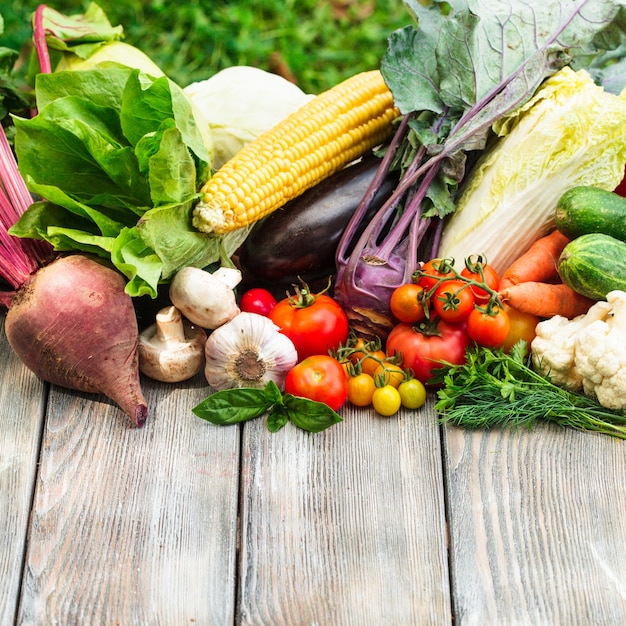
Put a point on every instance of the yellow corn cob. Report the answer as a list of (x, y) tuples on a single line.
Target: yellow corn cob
[(315, 141)]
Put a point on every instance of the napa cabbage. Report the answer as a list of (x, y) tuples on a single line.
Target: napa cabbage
[(571, 132)]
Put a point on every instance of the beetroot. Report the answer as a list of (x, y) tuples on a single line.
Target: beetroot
[(73, 325)]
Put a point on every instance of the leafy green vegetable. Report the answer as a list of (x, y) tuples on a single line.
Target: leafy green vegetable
[(474, 62), (494, 388), (231, 406), (80, 34), (119, 160), (609, 69), (83, 41)]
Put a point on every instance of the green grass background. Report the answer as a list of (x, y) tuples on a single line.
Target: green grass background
[(316, 43)]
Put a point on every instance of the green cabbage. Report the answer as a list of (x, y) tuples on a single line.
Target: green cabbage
[(572, 132), (239, 103)]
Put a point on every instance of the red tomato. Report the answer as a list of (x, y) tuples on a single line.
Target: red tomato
[(421, 352), (320, 378), (488, 330), (437, 268), (314, 328), (453, 300), (491, 280), (257, 300), (621, 188)]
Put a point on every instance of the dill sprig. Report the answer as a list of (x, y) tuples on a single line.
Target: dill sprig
[(493, 388)]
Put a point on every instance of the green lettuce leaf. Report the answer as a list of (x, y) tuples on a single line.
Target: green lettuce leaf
[(119, 159), (78, 146), (87, 85)]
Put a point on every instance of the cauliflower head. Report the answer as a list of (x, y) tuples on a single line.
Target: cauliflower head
[(554, 347), (600, 355)]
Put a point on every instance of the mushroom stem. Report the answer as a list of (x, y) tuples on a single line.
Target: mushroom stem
[(171, 349), (169, 323)]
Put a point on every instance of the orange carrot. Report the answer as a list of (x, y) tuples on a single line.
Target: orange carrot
[(538, 263), (545, 299)]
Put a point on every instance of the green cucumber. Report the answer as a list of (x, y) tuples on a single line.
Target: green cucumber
[(583, 210), (593, 265)]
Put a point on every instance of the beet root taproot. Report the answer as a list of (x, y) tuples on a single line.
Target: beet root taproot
[(74, 326)]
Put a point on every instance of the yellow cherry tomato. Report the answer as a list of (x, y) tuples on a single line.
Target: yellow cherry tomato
[(386, 400), (412, 393)]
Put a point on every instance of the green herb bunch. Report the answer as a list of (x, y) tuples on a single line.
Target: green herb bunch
[(494, 388)]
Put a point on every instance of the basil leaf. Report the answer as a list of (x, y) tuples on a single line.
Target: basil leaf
[(310, 415), (273, 393), (231, 406), (277, 418)]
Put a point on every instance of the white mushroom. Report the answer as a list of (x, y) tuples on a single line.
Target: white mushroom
[(172, 349), (206, 299)]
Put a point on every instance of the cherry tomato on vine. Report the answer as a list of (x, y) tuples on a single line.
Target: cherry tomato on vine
[(437, 268), (346, 364), (405, 303), (386, 400), (389, 374), (368, 357), (412, 393), (361, 389), (257, 300), (320, 378), (491, 280), (487, 329), (422, 349), (315, 323), (453, 300)]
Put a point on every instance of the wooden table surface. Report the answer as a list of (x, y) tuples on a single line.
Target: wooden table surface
[(376, 521)]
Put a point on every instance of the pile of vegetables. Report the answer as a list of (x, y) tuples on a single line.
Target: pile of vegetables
[(477, 254), (113, 155), (492, 82)]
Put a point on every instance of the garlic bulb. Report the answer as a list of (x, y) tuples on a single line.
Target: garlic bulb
[(248, 351)]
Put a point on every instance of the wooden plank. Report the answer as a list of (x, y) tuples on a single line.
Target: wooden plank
[(133, 526), (345, 526), (22, 402), (537, 526)]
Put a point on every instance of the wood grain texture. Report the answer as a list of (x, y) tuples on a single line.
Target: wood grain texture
[(537, 526), (346, 526), (184, 522), (133, 526), (22, 402)]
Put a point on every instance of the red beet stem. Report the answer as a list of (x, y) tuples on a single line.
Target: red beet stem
[(39, 39), (19, 258)]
